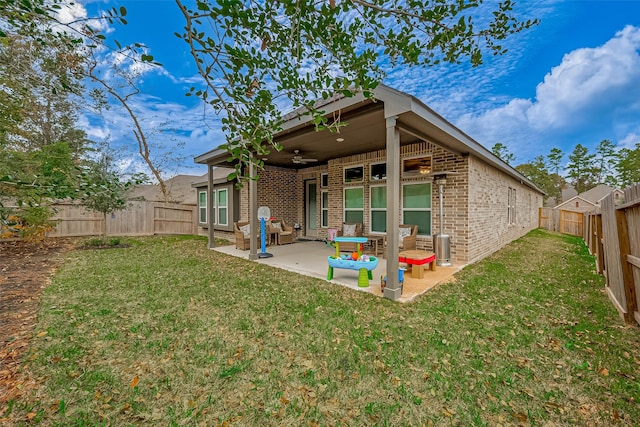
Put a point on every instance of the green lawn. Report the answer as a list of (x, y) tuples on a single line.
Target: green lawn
[(166, 332)]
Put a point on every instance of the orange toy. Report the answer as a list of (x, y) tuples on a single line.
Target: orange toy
[(354, 256)]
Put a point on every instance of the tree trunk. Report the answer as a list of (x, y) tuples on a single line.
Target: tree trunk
[(104, 229)]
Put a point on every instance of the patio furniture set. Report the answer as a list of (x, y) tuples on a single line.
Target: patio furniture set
[(278, 233), (349, 239)]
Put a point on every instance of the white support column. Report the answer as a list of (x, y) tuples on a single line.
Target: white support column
[(392, 289), (253, 210), (212, 243)]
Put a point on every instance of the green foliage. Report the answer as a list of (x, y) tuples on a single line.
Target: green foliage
[(29, 183), (102, 189), (581, 169), (501, 151), (537, 171), (628, 166), (255, 57), (604, 162)]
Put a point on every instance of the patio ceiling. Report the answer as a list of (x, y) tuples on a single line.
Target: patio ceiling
[(365, 132)]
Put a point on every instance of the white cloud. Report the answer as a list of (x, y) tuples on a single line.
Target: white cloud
[(590, 87), (630, 141), (589, 80)]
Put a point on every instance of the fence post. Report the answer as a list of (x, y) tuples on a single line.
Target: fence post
[(627, 270), (599, 244)]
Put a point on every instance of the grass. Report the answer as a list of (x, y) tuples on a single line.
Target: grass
[(166, 332)]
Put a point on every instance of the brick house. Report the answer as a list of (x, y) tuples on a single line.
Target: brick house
[(383, 170)]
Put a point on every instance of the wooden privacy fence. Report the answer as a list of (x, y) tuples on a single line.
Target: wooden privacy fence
[(563, 221), (612, 234), (139, 219)]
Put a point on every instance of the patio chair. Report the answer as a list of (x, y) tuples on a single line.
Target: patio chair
[(407, 236), (242, 234), (283, 232), (350, 229)]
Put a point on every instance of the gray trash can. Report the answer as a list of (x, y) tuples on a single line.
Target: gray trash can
[(442, 245)]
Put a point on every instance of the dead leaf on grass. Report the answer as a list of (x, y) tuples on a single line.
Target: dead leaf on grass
[(134, 382), (604, 372)]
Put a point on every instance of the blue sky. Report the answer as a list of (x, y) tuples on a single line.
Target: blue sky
[(575, 78)]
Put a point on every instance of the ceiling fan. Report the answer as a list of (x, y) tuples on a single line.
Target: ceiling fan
[(299, 160)]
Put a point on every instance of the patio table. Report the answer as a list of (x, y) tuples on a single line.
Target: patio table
[(417, 259)]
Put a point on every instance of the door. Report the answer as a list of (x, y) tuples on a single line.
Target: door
[(311, 208)]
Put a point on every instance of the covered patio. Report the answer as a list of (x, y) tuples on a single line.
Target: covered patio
[(309, 258)]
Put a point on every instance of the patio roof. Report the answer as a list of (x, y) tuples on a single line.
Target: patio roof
[(366, 132)]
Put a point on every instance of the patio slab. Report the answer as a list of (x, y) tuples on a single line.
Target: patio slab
[(309, 258)]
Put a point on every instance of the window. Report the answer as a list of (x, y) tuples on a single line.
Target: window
[(222, 207), (378, 208), (354, 174), (324, 180), (324, 201), (353, 205), (202, 207), (416, 166), (511, 206), (416, 206), (378, 171)]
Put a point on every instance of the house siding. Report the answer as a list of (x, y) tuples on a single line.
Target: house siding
[(489, 228)]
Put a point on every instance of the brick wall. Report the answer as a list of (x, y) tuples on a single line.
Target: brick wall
[(474, 200), (489, 227)]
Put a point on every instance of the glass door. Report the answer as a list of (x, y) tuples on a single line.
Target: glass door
[(311, 208)]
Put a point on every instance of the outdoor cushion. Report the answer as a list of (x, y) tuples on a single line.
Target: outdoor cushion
[(403, 232), (349, 230), (245, 230), (277, 225)]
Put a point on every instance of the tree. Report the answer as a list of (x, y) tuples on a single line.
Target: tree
[(103, 190), (121, 87), (555, 158), (537, 172), (29, 183), (628, 166), (605, 161), (501, 151), (257, 56), (581, 169)]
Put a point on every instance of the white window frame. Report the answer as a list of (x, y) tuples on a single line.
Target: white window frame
[(322, 176), (372, 209), (430, 210), (416, 173), (324, 209), (217, 207), (202, 209), (344, 203), (344, 174), (371, 172), (511, 206)]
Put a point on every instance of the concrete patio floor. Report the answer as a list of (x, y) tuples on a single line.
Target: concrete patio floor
[(310, 259)]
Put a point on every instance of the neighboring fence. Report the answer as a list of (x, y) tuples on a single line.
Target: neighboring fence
[(139, 219), (612, 234), (563, 221)]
